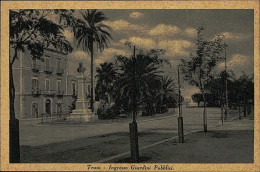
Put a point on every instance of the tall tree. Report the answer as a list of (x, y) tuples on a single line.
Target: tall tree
[(216, 86), (106, 75), (137, 76), (33, 30), (198, 70), (91, 31), (244, 91), (147, 75), (197, 97), (166, 95)]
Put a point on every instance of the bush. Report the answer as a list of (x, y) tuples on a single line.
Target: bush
[(105, 112)]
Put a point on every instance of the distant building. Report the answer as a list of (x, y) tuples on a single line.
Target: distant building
[(44, 87)]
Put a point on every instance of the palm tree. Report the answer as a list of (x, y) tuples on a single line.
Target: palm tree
[(106, 75), (146, 78), (166, 94), (137, 78), (91, 31)]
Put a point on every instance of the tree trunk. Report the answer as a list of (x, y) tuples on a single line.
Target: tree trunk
[(239, 110), (222, 110), (109, 99), (92, 78), (204, 113), (134, 147), (222, 115), (14, 142), (245, 108), (11, 92)]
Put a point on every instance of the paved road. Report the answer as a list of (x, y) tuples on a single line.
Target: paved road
[(193, 120)]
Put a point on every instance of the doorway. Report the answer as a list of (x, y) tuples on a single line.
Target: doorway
[(48, 107), (35, 111)]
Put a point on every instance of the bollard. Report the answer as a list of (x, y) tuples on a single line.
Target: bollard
[(134, 141), (14, 143), (180, 129)]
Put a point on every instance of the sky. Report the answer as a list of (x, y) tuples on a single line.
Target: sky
[(175, 32)]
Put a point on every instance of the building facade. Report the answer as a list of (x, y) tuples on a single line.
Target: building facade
[(44, 88)]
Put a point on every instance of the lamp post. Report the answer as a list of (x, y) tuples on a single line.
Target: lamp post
[(226, 84), (180, 118)]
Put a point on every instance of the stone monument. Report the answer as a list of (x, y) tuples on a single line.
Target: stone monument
[(81, 112)]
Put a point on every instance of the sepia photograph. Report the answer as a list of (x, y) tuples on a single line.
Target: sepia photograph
[(136, 89)]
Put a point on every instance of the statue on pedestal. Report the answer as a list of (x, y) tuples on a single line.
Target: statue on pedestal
[(81, 68), (81, 112)]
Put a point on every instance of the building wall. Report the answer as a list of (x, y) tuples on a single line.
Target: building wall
[(24, 72)]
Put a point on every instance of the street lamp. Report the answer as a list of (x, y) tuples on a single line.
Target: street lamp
[(180, 118), (226, 84)]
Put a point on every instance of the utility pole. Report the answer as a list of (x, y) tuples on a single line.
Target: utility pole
[(226, 84), (180, 118), (133, 126), (134, 88)]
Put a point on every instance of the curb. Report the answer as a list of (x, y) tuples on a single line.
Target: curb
[(112, 123)]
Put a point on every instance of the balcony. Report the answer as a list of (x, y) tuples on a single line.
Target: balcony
[(60, 93), (36, 68), (50, 93), (59, 71), (36, 92), (48, 70)]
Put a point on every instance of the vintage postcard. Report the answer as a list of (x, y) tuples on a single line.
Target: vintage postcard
[(130, 85)]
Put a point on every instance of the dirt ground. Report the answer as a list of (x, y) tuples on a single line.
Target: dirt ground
[(84, 150), (228, 143), (236, 146)]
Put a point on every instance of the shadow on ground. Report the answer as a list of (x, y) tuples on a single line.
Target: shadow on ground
[(236, 146), (89, 149)]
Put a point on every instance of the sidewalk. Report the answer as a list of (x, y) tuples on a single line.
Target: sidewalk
[(231, 143)]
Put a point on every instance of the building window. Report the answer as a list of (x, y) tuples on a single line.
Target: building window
[(35, 67), (35, 83), (73, 88), (34, 62), (58, 64), (48, 107), (59, 85), (47, 63), (35, 110), (47, 84)]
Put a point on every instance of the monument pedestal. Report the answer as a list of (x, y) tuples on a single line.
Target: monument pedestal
[(82, 113)]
